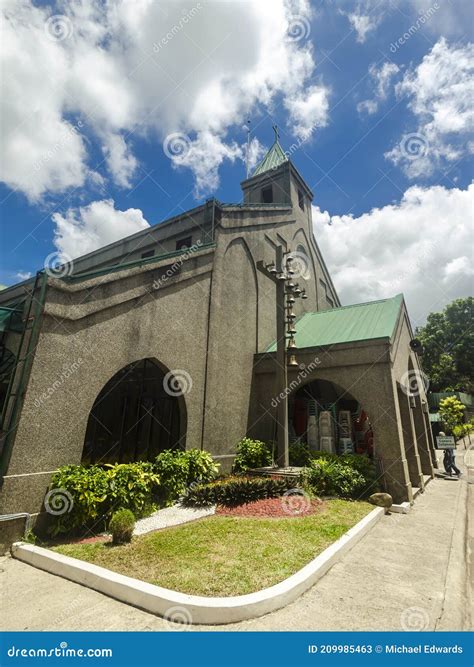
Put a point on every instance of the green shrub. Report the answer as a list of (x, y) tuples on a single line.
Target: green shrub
[(132, 486), (201, 466), (237, 490), (299, 455), (329, 477), (121, 526), (178, 470), (252, 454), (92, 493), (86, 489)]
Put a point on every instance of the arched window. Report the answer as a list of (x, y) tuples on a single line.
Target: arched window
[(137, 415)]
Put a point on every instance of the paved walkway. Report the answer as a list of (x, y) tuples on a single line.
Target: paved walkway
[(171, 516), (410, 571)]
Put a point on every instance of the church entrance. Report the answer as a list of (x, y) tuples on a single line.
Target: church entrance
[(135, 416)]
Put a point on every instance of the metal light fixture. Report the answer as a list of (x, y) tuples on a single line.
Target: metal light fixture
[(292, 344)]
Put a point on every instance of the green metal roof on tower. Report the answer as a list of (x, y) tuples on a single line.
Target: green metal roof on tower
[(274, 158)]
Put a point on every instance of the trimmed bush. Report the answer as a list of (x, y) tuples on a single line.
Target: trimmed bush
[(252, 454), (237, 490), (121, 526), (178, 470)]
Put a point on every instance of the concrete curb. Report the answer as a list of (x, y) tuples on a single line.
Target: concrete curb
[(187, 609)]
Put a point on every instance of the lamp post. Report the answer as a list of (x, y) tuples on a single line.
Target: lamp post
[(281, 273)]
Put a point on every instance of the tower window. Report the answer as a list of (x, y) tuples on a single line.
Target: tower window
[(148, 253), (184, 243), (301, 199), (267, 195)]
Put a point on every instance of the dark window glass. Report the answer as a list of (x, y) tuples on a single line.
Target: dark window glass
[(267, 195), (148, 253), (184, 243), (301, 200)]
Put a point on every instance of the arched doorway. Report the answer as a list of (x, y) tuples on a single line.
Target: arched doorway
[(137, 415), (325, 417)]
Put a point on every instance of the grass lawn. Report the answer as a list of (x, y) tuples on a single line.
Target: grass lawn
[(225, 555)]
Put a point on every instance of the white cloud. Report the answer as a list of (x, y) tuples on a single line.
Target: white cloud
[(364, 19), (119, 159), (417, 247), (88, 228), (146, 69), (440, 93), (23, 275), (308, 111), (381, 78)]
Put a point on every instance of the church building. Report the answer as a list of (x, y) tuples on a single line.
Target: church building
[(166, 339)]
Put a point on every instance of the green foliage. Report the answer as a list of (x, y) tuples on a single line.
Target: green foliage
[(448, 340), (237, 490), (97, 491), (451, 411), (131, 486), (88, 487), (121, 526), (178, 470), (252, 454), (299, 455), (349, 476)]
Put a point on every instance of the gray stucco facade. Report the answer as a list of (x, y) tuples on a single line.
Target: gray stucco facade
[(206, 316)]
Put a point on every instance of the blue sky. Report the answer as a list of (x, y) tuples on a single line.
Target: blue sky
[(375, 94)]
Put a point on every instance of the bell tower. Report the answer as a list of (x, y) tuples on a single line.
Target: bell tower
[(276, 180)]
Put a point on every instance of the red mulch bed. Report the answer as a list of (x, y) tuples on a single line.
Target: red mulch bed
[(292, 506)]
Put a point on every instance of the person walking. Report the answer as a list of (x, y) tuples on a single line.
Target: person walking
[(449, 462)]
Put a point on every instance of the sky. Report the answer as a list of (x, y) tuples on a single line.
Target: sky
[(118, 115)]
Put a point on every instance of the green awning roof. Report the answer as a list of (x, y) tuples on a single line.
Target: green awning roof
[(273, 159), (362, 321)]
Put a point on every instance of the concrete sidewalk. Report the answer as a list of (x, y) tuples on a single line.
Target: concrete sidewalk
[(410, 572)]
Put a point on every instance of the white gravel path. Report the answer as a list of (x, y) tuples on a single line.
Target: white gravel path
[(171, 516)]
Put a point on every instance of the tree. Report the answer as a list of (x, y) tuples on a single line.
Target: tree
[(448, 347), (451, 411)]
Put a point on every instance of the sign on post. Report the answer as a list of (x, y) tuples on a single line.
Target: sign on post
[(445, 442)]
